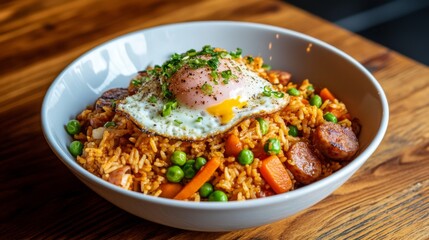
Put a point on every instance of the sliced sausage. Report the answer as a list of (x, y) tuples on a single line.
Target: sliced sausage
[(335, 141), (110, 96), (303, 163)]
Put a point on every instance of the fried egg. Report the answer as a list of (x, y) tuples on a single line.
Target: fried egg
[(205, 102)]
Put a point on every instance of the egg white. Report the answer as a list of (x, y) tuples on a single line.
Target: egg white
[(191, 124)]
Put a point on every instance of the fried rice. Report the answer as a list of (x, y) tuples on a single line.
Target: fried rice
[(141, 159)]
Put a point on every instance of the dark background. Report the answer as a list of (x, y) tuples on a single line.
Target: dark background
[(401, 25)]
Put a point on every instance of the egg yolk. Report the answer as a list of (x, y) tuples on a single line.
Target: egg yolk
[(224, 110)]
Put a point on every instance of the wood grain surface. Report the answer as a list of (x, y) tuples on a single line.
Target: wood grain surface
[(388, 198)]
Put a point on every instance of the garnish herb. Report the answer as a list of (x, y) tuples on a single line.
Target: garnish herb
[(168, 107), (227, 75), (177, 122), (250, 59), (113, 103), (165, 91), (278, 94), (213, 63), (266, 67), (207, 89), (214, 76), (236, 53), (190, 58), (268, 92), (196, 63), (109, 124), (152, 99), (207, 49), (136, 82), (199, 119)]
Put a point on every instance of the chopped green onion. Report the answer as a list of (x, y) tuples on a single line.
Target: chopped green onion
[(191, 52), (165, 91), (136, 82), (267, 91), (224, 55), (109, 124), (113, 103), (266, 67), (207, 89), (197, 63), (226, 74), (207, 49), (177, 122), (213, 63), (175, 56), (214, 76), (278, 94), (199, 119), (236, 53), (168, 107), (152, 99)]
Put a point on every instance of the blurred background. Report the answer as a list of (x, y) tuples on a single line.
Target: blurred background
[(402, 25)]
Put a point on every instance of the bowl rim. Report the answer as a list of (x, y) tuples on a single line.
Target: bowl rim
[(250, 203)]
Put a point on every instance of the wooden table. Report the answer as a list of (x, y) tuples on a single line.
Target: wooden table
[(388, 198)]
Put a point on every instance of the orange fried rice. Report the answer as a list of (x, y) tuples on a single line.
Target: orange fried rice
[(143, 158)]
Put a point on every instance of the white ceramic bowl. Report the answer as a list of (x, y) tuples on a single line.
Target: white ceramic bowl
[(112, 64)]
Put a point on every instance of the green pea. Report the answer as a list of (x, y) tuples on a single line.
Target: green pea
[(245, 157), (293, 92), (218, 196), (272, 146), (178, 158), (199, 163), (263, 125), (189, 169), (206, 189), (330, 117), (175, 174), (293, 131), (316, 100), (73, 127), (76, 148)]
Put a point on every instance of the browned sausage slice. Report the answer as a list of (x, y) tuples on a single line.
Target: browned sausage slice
[(335, 141), (110, 96), (303, 163)]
